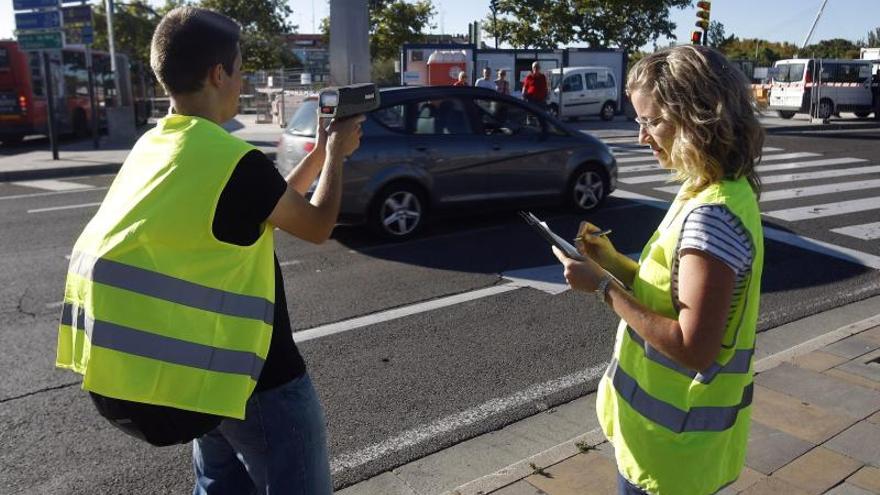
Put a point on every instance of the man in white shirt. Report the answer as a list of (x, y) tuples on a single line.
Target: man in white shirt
[(486, 81)]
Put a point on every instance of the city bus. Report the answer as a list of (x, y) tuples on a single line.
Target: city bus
[(843, 86), (23, 96)]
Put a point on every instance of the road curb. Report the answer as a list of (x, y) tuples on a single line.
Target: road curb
[(59, 172)]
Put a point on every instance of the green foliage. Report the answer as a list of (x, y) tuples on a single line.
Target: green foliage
[(833, 48), (393, 23), (624, 24), (383, 72), (264, 23), (762, 51), (716, 35), (133, 26), (873, 39)]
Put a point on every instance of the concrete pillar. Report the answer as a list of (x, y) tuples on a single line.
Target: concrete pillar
[(349, 42)]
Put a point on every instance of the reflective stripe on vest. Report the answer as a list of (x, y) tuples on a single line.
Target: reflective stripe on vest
[(740, 362), (171, 289), (695, 419), (167, 349)]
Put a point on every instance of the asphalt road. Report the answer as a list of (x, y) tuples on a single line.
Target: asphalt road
[(397, 389)]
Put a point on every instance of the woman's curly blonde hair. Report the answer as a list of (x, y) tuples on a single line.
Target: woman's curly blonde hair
[(709, 103)]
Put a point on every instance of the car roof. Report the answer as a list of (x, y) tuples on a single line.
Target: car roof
[(400, 93), (566, 70)]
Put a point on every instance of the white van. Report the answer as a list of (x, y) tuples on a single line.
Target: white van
[(844, 86), (583, 91)]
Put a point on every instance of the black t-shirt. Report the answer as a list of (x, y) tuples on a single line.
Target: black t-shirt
[(249, 197)]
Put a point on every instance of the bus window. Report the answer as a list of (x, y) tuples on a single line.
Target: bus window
[(4, 58), (829, 72), (36, 65), (76, 76)]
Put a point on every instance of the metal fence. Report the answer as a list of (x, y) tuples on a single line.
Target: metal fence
[(272, 95)]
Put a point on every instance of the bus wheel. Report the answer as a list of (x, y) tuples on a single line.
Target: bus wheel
[(783, 114), (826, 108), (80, 123)]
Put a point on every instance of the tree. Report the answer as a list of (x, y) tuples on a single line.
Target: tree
[(393, 23), (833, 48), (873, 38), (264, 24), (133, 26), (716, 35), (763, 52), (623, 24)]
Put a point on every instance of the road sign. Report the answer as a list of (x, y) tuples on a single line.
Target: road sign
[(77, 14), (40, 41), (78, 34), (33, 4), (37, 20)]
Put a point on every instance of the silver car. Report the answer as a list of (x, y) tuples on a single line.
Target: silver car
[(433, 150)]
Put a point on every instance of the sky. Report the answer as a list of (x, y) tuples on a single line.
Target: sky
[(773, 20)]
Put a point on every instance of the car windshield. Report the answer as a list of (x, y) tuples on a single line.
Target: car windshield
[(789, 73), (304, 120), (554, 80)]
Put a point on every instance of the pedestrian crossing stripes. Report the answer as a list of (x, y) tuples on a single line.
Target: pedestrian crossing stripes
[(868, 231), (825, 210), (788, 171), (770, 179)]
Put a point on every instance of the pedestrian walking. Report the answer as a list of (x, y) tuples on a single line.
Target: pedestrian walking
[(535, 86), (486, 81), (502, 84), (675, 400), (174, 306)]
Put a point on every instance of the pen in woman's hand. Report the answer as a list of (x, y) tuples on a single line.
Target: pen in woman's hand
[(583, 237)]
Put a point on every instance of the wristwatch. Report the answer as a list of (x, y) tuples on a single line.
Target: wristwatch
[(602, 288)]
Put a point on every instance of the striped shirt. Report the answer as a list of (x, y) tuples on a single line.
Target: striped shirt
[(714, 230)]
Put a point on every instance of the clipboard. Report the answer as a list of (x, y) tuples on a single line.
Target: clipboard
[(555, 240), (551, 237)]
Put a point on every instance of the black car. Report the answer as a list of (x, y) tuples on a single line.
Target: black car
[(435, 149)]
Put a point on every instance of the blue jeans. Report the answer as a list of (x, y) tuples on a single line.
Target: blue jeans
[(624, 487), (280, 446)]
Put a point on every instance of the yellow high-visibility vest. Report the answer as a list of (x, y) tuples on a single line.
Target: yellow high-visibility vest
[(674, 430), (156, 309)]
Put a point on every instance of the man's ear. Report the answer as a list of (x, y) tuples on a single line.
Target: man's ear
[(216, 75)]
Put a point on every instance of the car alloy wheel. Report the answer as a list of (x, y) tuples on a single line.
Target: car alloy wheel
[(400, 213), (607, 111), (588, 190)]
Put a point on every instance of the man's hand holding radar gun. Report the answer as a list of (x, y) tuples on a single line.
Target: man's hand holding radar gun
[(340, 114)]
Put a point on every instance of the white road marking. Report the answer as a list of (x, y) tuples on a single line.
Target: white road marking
[(53, 185), (766, 179), (825, 210), (289, 263), (806, 243), (867, 231), (803, 192), (395, 313), (547, 279), (69, 207), (631, 169), (425, 432), (54, 193), (788, 156)]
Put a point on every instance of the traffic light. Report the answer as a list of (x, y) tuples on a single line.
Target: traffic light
[(703, 12), (697, 38)]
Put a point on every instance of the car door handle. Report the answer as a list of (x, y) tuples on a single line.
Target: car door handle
[(420, 148), (496, 147)]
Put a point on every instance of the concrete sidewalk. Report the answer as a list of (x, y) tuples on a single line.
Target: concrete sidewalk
[(80, 158), (815, 427)]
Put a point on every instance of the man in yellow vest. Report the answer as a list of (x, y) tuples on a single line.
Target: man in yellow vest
[(174, 308)]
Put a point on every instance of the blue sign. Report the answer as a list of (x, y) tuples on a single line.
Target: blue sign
[(33, 4), (38, 20), (78, 14)]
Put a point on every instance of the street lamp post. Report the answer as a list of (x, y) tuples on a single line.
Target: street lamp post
[(110, 41), (493, 6)]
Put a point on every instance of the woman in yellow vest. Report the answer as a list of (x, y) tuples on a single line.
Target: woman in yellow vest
[(675, 401)]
